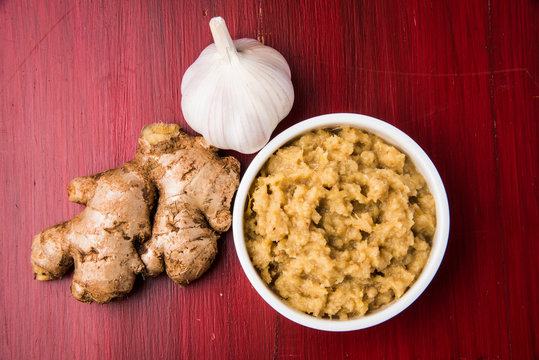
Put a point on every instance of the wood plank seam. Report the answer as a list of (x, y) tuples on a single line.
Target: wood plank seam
[(497, 168)]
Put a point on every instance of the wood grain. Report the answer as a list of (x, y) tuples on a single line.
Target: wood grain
[(515, 103), (78, 80)]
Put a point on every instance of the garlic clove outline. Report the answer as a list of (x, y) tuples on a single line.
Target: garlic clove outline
[(236, 92)]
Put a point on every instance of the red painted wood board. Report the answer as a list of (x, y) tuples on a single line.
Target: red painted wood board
[(78, 80)]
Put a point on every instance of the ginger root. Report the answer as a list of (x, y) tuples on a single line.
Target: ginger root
[(101, 240), (195, 188), (195, 191)]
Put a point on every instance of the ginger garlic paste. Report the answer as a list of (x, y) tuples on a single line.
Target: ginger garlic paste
[(339, 223)]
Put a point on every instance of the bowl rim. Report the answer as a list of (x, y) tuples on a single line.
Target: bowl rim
[(423, 164)]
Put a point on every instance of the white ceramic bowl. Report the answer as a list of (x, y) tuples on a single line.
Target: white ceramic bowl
[(423, 164)]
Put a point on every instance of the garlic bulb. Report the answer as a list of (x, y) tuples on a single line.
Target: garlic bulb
[(236, 92)]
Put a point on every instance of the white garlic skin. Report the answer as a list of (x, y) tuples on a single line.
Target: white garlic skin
[(236, 102)]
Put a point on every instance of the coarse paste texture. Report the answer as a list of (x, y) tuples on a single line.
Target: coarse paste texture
[(339, 223), (113, 239)]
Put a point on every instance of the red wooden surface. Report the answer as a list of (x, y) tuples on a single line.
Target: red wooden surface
[(79, 79)]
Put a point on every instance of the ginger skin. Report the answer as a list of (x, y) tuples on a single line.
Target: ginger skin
[(195, 187), (101, 240)]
